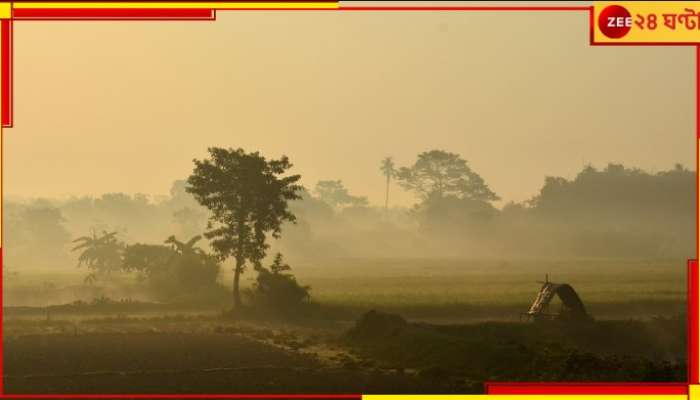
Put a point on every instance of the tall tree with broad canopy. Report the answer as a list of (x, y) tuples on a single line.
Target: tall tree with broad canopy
[(438, 174), (248, 198)]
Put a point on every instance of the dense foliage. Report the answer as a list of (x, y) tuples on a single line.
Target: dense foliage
[(176, 271), (248, 198), (613, 211), (276, 288)]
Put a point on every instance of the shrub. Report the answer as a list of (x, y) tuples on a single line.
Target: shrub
[(276, 288), (177, 271)]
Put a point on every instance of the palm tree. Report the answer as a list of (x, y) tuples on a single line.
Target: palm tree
[(185, 248), (389, 171), (192, 266), (102, 254)]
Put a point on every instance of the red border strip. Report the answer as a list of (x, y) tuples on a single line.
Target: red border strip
[(693, 354), (6, 72), (173, 14), (586, 388)]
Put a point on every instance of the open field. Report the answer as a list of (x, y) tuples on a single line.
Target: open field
[(500, 290), (448, 345), (451, 290)]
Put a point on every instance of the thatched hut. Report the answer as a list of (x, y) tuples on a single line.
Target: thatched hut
[(571, 305)]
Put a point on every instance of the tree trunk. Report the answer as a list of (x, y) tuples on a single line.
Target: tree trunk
[(386, 201), (240, 260), (236, 280)]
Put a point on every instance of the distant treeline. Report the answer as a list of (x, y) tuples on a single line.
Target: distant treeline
[(615, 211)]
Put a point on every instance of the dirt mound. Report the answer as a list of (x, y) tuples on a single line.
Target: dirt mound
[(377, 325)]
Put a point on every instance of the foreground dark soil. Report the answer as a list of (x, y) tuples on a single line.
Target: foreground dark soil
[(180, 363), (200, 356), (379, 354), (572, 351)]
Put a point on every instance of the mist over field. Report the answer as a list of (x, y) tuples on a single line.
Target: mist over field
[(612, 213), (133, 264)]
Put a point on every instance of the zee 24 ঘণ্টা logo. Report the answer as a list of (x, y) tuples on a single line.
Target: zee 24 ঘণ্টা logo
[(615, 21)]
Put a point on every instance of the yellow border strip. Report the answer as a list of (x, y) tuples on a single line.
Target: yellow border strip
[(693, 392), (525, 397), (5, 10)]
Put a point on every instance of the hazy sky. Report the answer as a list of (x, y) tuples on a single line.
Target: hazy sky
[(125, 106)]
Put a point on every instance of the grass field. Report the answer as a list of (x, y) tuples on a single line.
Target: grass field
[(448, 344), (456, 290), (497, 289)]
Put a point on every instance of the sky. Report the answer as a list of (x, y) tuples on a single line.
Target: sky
[(125, 106)]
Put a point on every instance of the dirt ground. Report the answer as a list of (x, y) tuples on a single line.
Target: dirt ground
[(190, 357), (209, 354)]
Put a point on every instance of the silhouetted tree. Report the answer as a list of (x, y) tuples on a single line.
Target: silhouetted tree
[(620, 211), (100, 254), (148, 259), (336, 195), (175, 270), (389, 170), (124, 206), (278, 265), (46, 227), (185, 248), (36, 234), (248, 199), (438, 174)]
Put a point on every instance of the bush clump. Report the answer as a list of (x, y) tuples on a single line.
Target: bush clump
[(375, 325), (277, 289)]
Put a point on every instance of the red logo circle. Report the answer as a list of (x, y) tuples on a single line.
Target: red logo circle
[(615, 21)]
